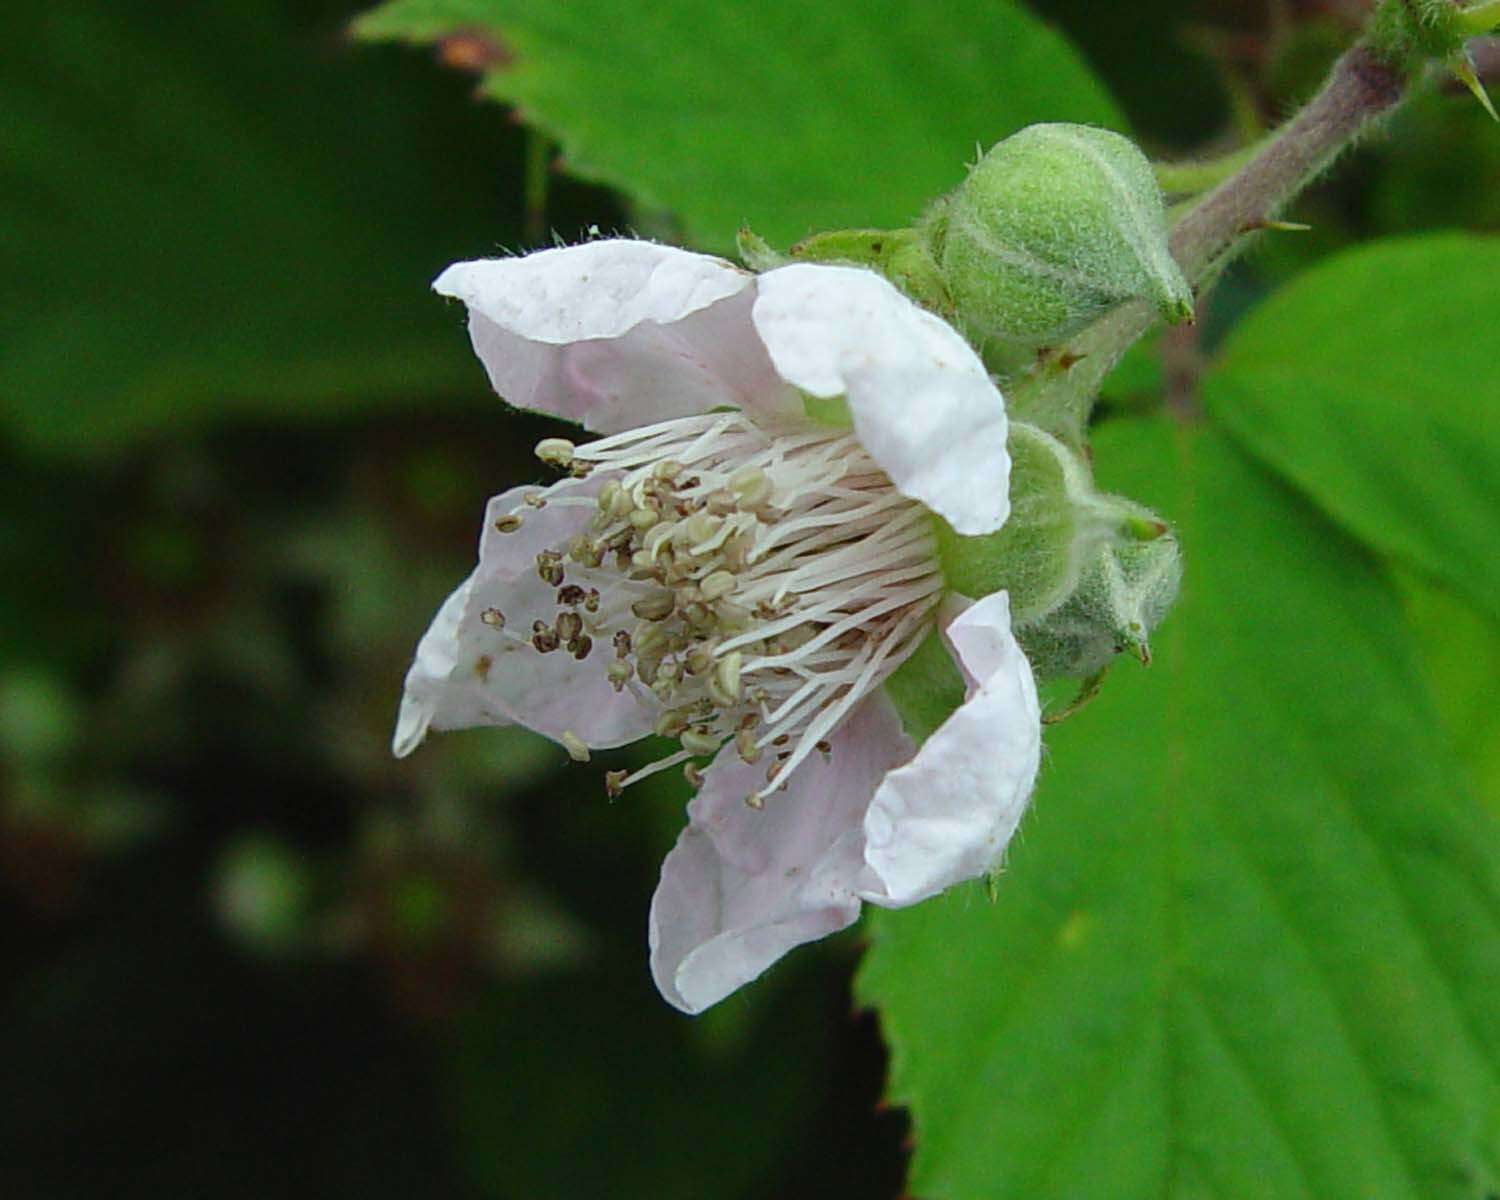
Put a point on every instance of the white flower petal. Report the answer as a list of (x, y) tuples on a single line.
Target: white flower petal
[(742, 887), (469, 673), (615, 334), (922, 402), (947, 815)]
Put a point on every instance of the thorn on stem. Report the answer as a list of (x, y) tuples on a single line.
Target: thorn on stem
[(1462, 67)]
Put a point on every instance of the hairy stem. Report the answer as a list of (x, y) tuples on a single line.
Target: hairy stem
[(1360, 90)]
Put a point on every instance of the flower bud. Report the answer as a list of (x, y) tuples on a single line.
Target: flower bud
[(1124, 593), (1053, 227), (1056, 526)]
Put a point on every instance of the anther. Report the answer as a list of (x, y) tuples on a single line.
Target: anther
[(493, 617), (736, 552), (716, 585), (572, 595), (607, 494), (693, 775), (549, 567), (581, 646), (614, 783), (699, 740), (618, 673), (670, 723), (644, 518), (751, 487), (754, 800), (535, 499), (735, 618), (591, 600), (698, 528), (621, 643), (649, 640), (727, 675), (656, 605), (585, 550), (574, 745), (508, 523), (745, 747), (557, 452), (656, 536), (569, 626), (545, 641)]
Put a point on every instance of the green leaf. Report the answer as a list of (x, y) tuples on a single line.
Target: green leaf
[(1373, 383), (790, 116), (1460, 653), (1248, 941), (219, 214)]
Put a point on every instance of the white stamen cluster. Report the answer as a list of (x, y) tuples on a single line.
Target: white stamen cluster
[(754, 584)]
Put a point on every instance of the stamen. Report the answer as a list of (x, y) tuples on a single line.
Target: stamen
[(755, 583), (575, 746), (557, 452)]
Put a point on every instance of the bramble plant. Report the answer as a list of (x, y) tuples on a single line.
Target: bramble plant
[(847, 507)]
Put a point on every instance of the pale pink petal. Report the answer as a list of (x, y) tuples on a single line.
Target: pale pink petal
[(947, 815), (922, 402), (467, 672), (742, 887), (616, 334)]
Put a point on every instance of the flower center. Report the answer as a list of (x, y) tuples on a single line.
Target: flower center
[(753, 583)]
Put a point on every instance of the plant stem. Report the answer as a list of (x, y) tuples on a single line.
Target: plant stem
[(1360, 90)]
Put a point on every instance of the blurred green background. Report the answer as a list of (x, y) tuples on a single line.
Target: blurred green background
[(244, 952)]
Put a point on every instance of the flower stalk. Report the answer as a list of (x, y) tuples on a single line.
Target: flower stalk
[(1364, 86), (1361, 90)]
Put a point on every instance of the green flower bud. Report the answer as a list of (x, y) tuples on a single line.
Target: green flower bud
[(1057, 524), (1053, 227), (1123, 595)]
